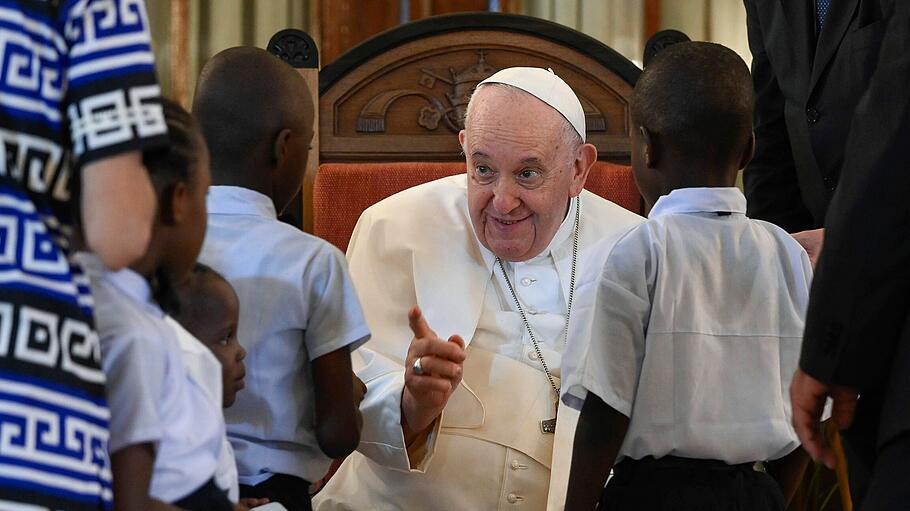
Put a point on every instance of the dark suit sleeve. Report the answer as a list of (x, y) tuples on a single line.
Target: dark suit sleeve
[(861, 293), (770, 183)]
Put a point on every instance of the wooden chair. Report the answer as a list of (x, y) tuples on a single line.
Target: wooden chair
[(390, 109)]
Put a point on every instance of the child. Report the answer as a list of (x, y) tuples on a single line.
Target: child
[(299, 315), (208, 309), (682, 376), (165, 434), (206, 325)]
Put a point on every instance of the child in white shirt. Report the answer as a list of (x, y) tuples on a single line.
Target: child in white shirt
[(208, 311), (299, 315), (682, 377), (165, 433)]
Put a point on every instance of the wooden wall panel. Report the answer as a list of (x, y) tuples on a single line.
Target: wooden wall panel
[(346, 23)]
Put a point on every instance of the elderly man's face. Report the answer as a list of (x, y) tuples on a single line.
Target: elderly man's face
[(521, 171)]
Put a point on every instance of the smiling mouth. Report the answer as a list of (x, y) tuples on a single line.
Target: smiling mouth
[(508, 222)]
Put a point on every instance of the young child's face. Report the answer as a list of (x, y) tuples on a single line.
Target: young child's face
[(218, 331)]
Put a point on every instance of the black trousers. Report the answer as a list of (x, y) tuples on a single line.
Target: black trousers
[(208, 497), (290, 491), (889, 485), (682, 484)]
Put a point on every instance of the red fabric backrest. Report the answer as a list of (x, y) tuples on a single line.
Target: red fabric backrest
[(342, 191)]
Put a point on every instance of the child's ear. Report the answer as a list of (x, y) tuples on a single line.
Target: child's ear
[(174, 203), (650, 154), (280, 147), (748, 151)]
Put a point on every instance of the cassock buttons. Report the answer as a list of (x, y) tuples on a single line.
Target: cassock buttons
[(517, 465), (513, 498)]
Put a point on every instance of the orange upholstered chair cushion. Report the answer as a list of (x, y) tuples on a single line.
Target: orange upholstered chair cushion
[(342, 191)]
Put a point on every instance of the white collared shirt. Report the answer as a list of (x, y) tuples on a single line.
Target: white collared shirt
[(153, 398), (296, 304), (205, 369), (696, 332)]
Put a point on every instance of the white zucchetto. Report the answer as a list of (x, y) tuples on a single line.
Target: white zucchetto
[(547, 87)]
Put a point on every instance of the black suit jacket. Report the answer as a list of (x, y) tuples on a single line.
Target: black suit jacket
[(857, 328), (806, 90)]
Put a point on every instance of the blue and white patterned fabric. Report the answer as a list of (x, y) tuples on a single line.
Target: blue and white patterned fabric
[(77, 83)]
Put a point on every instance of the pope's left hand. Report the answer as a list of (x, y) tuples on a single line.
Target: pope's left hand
[(808, 396)]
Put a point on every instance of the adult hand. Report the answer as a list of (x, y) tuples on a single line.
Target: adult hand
[(812, 241), (807, 396), (426, 394)]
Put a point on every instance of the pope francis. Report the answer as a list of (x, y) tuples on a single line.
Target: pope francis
[(499, 259)]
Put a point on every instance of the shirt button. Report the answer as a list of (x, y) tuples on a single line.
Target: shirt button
[(515, 464), (512, 498), (532, 309), (532, 355), (812, 115), (526, 282)]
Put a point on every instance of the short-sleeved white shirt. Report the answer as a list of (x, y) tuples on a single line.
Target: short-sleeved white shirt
[(205, 369), (696, 332), (297, 304), (153, 398)]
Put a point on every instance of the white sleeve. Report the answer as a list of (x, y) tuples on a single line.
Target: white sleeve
[(604, 354), (136, 371), (334, 319), (382, 439)]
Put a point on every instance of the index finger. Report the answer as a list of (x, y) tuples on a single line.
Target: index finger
[(419, 324)]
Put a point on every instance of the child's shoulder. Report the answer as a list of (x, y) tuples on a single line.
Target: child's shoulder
[(780, 236), (632, 248), (274, 234)]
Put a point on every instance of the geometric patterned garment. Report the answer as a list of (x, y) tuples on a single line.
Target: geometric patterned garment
[(77, 83)]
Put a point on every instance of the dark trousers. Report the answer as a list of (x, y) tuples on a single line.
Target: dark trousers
[(290, 491), (208, 497), (682, 484), (889, 485)]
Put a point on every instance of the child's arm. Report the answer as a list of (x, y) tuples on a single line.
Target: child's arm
[(132, 472), (788, 471), (598, 437), (338, 419)]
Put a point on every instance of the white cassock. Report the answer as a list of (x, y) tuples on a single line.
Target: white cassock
[(419, 246)]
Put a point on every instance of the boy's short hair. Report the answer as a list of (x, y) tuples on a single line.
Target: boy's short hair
[(697, 98)]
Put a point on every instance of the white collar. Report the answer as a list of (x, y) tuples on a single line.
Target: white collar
[(236, 200), (126, 280), (700, 200)]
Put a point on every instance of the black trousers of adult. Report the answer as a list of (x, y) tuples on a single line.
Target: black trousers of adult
[(290, 491), (889, 486), (208, 497), (682, 484), (879, 477)]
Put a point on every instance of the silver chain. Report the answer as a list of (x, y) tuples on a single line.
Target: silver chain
[(521, 312)]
